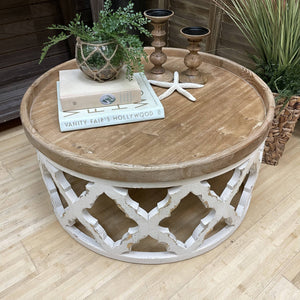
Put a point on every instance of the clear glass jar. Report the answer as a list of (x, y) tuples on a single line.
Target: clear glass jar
[(100, 61)]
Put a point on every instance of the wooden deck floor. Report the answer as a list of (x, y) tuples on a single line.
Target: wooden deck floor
[(39, 260)]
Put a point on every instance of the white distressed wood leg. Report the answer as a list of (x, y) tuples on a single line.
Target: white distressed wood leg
[(148, 223)]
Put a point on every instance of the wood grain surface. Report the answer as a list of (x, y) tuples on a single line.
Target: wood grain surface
[(230, 119)]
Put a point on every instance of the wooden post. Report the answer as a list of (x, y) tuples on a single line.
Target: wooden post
[(96, 6), (68, 11), (163, 4), (214, 24)]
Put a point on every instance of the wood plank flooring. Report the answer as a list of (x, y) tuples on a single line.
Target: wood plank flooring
[(39, 260)]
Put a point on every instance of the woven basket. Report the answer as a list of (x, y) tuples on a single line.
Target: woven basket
[(282, 128)]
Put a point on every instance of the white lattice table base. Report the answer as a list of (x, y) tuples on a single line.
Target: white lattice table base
[(70, 209)]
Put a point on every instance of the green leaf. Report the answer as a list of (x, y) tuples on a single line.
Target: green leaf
[(112, 25)]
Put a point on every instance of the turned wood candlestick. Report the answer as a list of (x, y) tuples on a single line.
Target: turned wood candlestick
[(159, 18), (192, 60)]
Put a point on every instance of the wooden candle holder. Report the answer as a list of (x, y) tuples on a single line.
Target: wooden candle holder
[(192, 60), (159, 18)]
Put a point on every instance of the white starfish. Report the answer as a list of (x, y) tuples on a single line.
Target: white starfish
[(176, 86)]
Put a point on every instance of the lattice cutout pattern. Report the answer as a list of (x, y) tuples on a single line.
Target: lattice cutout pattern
[(219, 210), (186, 217), (112, 219)]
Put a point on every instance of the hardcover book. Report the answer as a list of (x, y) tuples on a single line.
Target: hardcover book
[(77, 91), (149, 108)]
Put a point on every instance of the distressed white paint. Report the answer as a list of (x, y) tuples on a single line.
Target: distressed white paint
[(148, 223)]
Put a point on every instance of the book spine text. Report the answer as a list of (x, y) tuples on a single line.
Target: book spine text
[(113, 119)]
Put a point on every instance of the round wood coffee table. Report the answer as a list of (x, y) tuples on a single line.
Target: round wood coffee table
[(162, 190)]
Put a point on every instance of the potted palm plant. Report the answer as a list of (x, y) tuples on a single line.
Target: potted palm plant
[(101, 50), (272, 27)]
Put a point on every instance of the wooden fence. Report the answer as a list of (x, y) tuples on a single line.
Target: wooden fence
[(22, 33), (225, 40)]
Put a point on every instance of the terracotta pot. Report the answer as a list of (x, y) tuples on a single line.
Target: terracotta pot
[(282, 128), (99, 61)]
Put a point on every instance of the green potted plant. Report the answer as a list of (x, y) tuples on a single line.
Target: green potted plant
[(102, 49), (272, 27)]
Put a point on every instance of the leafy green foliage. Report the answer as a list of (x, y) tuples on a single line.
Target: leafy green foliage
[(112, 25), (272, 27), (287, 84)]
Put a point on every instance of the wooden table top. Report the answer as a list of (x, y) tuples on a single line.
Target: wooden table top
[(229, 120)]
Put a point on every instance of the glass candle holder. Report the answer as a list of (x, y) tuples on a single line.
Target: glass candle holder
[(192, 60), (159, 18)]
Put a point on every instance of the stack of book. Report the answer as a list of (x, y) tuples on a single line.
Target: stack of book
[(84, 103)]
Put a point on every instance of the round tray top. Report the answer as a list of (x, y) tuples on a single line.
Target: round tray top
[(229, 120)]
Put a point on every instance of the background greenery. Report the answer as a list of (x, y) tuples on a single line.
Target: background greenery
[(272, 27)]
